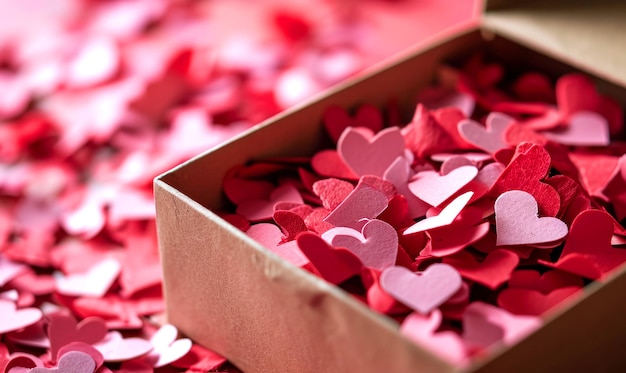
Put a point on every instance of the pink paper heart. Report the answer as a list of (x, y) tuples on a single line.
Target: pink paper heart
[(585, 128), (490, 137), (167, 348), (13, 319), (10, 269), (115, 348), (370, 156), (422, 292), (94, 283), (445, 217), (364, 202), (517, 222), (435, 189), (32, 336), (270, 236), (376, 245), (485, 325), (63, 329), (257, 210), (399, 173), (73, 361)]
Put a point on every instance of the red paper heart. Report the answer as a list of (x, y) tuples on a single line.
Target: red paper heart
[(328, 163), (544, 283), (334, 264), (492, 272), (332, 191), (63, 329), (364, 202), (533, 302)]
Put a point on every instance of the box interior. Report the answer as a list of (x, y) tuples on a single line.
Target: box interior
[(227, 292)]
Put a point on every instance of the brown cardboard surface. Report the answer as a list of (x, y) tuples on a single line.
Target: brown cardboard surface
[(587, 34), (228, 293)]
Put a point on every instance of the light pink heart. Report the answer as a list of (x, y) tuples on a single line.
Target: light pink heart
[(13, 319), (585, 128), (399, 173), (376, 245), (435, 189), (489, 138), (364, 202), (422, 292), (115, 348), (517, 221), (256, 210), (445, 217), (370, 156), (93, 283), (167, 349), (270, 236), (73, 361), (10, 269)]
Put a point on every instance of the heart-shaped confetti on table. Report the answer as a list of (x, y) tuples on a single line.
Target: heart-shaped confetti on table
[(115, 348), (423, 291), (166, 347), (15, 319), (95, 282), (517, 222)]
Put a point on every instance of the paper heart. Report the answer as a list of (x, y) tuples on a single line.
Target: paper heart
[(423, 330), (422, 292), (584, 128), (544, 283), (490, 137), (450, 239), (435, 189), (370, 156), (526, 171), (376, 245), (19, 362), (94, 283), (364, 202), (239, 190), (290, 223), (63, 329), (445, 217), (533, 302), (10, 269), (328, 163), (32, 336), (336, 120), (33, 283), (492, 272), (115, 348), (485, 325), (200, 359), (399, 173), (73, 361), (256, 210), (84, 348), (271, 237), (332, 191), (588, 251), (15, 319), (166, 348), (517, 222), (334, 264)]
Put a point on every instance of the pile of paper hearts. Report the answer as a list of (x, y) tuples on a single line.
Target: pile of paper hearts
[(490, 209)]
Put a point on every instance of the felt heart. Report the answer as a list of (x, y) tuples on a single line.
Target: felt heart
[(445, 217), (334, 264), (525, 171), (84, 348), (423, 330), (63, 329), (94, 283), (364, 202), (588, 251), (490, 137), (336, 120), (435, 189), (19, 362), (584, 128), (290, 223), (328, 163), (166, 348), (533, 302), (517, 222), (271, 237), (115, 348), (13, 319), (256, 210), (485, 325), (73, 361), (10, 269), (376, 245), (332, 191), (493, 271), (424, 291), (370, 156)]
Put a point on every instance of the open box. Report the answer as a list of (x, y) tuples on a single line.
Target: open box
[(230, 294)]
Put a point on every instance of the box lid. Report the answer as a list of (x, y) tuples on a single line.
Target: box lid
[(590, 35)]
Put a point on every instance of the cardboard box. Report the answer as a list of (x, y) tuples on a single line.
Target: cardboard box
[(230, 294)]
